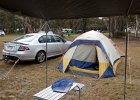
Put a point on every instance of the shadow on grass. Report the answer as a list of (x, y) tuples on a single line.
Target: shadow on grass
[(10, 62)]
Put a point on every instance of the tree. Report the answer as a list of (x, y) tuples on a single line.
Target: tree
[(6, 21), (117, 25), (137, 25)]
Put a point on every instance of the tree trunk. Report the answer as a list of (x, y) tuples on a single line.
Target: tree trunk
[(27, 24), (117, 25), (109, 30), (112, 26), (84, 24), (137, 26)]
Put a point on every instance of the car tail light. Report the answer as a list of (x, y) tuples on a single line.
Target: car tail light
[(23, 48)]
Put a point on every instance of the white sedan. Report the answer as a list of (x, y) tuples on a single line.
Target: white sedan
[(2, 33), (33, 47)]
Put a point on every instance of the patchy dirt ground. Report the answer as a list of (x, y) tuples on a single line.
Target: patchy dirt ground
[(28, 78)]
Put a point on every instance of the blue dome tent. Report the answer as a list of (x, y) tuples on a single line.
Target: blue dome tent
[(89, 51)]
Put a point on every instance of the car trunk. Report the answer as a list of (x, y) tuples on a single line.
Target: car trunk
[(12, 46)]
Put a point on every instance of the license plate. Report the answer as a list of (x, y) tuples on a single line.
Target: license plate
[(10, 48)]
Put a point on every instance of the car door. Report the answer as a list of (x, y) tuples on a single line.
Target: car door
[(61, 44), (52, 47)]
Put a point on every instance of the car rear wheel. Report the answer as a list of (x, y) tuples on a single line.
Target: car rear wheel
[(40, 57)]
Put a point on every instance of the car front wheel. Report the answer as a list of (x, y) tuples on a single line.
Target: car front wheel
[(40, 57)]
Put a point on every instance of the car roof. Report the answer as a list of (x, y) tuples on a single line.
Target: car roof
[(42, 33)]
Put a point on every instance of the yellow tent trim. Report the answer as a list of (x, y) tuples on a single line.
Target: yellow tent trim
[(83, 70), (102, 68), (67, 58), (115, 65), (65, 63)]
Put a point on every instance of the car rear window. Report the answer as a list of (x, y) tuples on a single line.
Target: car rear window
[(25, 38)]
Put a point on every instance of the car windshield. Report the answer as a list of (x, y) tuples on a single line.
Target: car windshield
[(25, 38)]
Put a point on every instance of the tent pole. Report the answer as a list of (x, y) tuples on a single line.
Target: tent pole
[(126, 51), (46, 54), (126, 46), (46, 61)]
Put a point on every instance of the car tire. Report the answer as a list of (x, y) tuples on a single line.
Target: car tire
[(40, 57)]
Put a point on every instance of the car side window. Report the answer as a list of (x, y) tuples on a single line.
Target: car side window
[(59, 39), (50, 39), (41, 40)]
